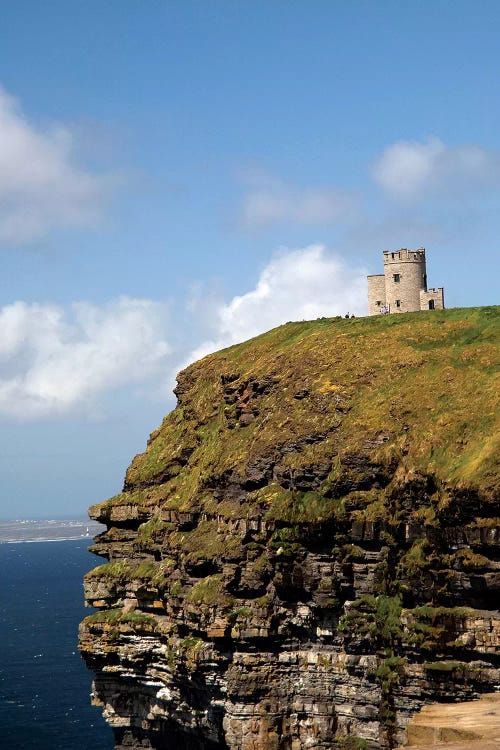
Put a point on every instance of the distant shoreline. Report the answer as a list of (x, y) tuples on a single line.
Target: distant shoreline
[(37, 541), (24, 531)]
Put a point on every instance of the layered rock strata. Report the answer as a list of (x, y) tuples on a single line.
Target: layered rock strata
[(308, 550)]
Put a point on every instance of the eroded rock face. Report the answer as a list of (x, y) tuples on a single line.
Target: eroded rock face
[(302, 558)]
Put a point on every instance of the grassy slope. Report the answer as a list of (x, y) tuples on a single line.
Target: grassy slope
[(428, 381)]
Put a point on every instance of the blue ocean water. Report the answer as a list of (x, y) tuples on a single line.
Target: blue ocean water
[(44, 684)]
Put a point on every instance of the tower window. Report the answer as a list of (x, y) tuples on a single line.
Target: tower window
[(431, 304), (398, 303), (396, 277), (378, 303)]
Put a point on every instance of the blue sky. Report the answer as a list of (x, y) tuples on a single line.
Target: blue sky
[(178, 176)]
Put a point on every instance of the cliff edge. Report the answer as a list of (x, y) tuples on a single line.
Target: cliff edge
[(308, 550)]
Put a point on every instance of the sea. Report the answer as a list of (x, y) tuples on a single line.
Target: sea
[(44, 684)]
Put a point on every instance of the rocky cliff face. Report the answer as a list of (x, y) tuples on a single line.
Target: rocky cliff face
[(308, 550)]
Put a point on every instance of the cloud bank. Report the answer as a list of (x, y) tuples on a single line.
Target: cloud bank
[(41, 186), (54, 360), (298, 284)]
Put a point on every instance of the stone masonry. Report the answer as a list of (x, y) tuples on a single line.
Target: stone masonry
[(403, 285)]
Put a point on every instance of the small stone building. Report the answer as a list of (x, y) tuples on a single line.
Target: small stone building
[(403, 285)]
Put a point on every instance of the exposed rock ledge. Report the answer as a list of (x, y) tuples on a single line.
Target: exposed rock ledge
[(308, 550), (457, 726)]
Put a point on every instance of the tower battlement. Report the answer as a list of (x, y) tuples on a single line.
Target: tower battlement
[(404, 255), (403, 285)]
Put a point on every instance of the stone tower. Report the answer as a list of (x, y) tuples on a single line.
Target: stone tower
[(403, 285)]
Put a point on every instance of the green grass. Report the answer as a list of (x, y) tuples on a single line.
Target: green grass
[(122, 570), (116, 617), (430, 380), (209, 590), (445, 666), (433, 614), (208, 540)]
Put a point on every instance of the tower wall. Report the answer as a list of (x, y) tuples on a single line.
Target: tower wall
[(405, 277), (376, 293), (432, 299)]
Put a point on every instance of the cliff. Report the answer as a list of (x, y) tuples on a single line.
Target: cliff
[(308, 550)]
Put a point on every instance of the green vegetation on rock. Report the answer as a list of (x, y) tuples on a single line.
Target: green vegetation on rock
[(323, 498), (420, 390)]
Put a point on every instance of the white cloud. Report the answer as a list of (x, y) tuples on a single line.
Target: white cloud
[(41, 186), (271, 201), (296, 285), (56, 361), (52, 360), (410, 170)]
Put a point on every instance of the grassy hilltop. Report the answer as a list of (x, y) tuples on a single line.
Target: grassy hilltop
[(421, 389)]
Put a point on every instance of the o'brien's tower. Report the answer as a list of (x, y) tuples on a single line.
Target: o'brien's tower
[(403, 285)]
